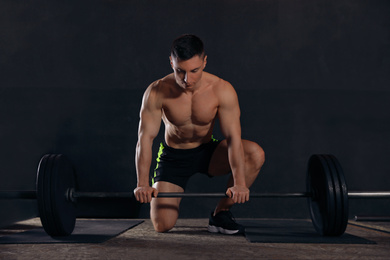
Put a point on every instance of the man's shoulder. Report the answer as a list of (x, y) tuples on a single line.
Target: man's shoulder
[(162, 84), (165, 81), (217, 83)]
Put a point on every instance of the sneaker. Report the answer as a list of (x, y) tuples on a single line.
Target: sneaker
[(224, 223)]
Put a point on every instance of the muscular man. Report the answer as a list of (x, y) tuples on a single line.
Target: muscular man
[(188, 101)]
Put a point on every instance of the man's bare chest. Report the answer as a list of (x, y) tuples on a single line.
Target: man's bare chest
[(195, 110)]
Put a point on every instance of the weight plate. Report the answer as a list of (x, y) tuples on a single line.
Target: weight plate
[(322, 203), (43, 194), (55, 176), (64, 209), (343, 197), (337, 221)]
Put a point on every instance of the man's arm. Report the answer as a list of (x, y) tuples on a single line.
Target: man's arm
[(229, 118), (149, 126)]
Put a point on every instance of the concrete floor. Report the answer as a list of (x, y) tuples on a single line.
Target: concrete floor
[(190, 240)]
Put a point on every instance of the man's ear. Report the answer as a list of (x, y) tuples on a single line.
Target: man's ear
[(204, 61), (170, 61)]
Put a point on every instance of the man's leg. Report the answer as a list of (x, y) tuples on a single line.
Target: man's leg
[(165, 211), (219, 165)]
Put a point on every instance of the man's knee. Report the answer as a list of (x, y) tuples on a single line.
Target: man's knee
[(162, 226), (164, 213), (255, 156)]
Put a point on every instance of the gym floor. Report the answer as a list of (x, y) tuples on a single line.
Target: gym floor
[(190, 240)]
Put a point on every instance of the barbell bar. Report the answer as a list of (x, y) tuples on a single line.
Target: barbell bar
[(72, 195), (28, 194), (354, 195), (369, 195), (56, 195), (31, 194)]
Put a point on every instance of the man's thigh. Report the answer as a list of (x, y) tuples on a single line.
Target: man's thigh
[(165, 210), (219, 163)]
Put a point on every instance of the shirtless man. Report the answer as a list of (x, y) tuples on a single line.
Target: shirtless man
[(188, 101)]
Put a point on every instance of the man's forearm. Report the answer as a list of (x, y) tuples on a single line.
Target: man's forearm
[(237, 161), (143, 161)]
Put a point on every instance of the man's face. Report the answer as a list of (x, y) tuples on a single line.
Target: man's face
[(189, 72)]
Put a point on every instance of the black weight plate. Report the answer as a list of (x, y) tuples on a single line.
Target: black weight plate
[(317, 193), (63, 209), (322, 203), (43, 193), (344, 197), (337, 221), (329, 213), (53, 181)]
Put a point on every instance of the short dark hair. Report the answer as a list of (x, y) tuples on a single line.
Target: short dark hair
[(187, 46)]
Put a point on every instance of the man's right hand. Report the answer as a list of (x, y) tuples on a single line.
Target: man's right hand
[(144, 194)]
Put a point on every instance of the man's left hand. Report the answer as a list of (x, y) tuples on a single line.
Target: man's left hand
[(239, 194)]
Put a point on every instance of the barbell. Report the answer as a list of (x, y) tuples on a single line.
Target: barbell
[(56, 195)]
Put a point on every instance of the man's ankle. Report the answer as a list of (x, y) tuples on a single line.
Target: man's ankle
[(216, 211)]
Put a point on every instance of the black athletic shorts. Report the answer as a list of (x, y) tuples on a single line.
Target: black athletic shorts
[(178, 165)]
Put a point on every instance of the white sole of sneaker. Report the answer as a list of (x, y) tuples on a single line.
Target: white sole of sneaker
[(214, 229)]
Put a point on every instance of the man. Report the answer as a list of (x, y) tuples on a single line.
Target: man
[(188, 101)]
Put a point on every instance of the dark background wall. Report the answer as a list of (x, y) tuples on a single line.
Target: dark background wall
[(312, 77)]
